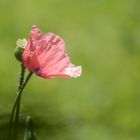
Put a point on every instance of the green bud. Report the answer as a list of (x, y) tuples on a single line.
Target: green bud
[(18, 53), (21, 44)]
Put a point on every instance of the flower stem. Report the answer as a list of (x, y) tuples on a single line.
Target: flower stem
[(17, 106), (21, 77), (21, 80)]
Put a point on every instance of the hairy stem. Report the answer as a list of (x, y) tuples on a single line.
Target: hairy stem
[(21, 80), (17, 107), (17, 111)]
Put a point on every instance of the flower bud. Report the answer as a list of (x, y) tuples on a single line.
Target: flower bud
[(21, 44)]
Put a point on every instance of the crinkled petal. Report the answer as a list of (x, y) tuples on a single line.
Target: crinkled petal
[(68, 72), (45, 55), (72, 71)]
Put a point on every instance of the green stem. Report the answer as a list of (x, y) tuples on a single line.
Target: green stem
[(17, 101), (21, 79)]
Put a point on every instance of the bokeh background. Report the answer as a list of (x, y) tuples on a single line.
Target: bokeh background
[(103, 36)]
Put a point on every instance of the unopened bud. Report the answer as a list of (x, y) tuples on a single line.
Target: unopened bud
[(21, 44)]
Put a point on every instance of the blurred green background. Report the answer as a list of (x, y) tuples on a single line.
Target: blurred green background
[(103, 36)]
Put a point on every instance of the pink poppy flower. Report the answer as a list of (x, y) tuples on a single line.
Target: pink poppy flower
[(46, 56)]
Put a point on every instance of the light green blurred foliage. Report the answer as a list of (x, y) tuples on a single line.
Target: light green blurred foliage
[(101, 35)]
